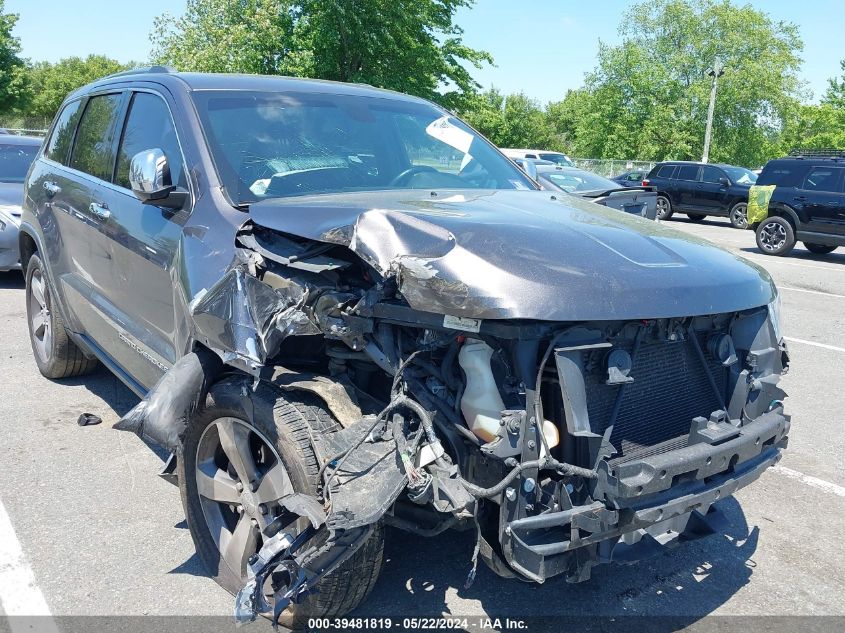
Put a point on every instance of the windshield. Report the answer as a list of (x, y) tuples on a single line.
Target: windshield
[(557, 159), (740, 175), (577, 180), (270, 145), (15, 161)]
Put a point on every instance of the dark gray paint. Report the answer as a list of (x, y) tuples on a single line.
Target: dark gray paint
[(525, 255)]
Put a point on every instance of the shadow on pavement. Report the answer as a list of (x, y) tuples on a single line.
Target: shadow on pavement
[(11, 280), (422, 577), (799, 254)]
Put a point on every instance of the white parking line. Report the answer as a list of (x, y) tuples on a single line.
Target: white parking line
[(814, 344), (814, 482), (762, 259), (19, 594), (812, 292)]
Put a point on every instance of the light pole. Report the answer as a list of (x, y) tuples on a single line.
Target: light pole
[(715, 72)]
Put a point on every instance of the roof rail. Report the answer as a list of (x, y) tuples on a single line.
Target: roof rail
[(817, 153), (141, 70)]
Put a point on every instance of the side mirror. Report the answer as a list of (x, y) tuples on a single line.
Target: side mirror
[(149, 177), (724, 182)]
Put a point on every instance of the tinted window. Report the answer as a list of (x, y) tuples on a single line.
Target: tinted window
[(577, 180), (558, 159), (711, 174), (687, 172), (782, 174), (823, 179), (740, 175), (666, 171), (58, 146), (93, 150), (15, 161), (149, 126)]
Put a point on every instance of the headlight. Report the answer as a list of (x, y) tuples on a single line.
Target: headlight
[(10, 214), (775, 316)]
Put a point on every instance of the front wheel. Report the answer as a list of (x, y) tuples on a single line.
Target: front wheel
[(242, 453), (775, 236), (739, 215), (819, 249), (664, 208)]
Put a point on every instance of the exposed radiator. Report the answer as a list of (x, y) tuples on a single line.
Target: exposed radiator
[(670, 388)]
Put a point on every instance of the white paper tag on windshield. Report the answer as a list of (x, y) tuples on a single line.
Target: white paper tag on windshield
[(452, 135), (461, 323)]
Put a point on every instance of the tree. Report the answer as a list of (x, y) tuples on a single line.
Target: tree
[(647, 97), (12, 68), (509, 121), (410, 46), (835, 93), (51, 83)]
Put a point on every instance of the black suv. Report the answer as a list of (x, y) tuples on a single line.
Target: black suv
[(807, 204), (700, 189), (343, 308)]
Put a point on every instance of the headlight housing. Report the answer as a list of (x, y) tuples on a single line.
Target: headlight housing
[(775, 316)]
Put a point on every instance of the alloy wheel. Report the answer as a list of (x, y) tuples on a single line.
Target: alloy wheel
[(772, 237), (39, 310), (663, 208), (240, 478), (739, 216)]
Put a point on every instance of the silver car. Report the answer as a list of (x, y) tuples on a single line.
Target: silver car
[(16, 155)]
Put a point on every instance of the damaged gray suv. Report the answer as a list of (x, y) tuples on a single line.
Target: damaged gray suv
[(344, 309)]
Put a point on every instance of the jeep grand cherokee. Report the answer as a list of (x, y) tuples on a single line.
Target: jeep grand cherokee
[(343, 308)]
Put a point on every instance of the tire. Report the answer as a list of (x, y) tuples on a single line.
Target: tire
[(285, 424), (664, 208), (55, 354), (819, 249), (696, 217), (775, 236), (738, 215)]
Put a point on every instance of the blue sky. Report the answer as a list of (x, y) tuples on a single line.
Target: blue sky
[(541, 47)]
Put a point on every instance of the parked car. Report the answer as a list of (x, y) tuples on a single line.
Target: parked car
[(638, 200), (343, 308), (631, 178), (807, 204), (16, 155), (558, 158), (700, 189)]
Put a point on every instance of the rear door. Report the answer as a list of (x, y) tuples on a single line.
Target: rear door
[(142, 242), (686, 187), (711, 193), (821, 197)]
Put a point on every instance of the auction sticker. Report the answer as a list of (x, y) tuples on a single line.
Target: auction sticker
[(461, 323)]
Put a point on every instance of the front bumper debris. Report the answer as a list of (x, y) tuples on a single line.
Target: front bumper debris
[(651, 503)]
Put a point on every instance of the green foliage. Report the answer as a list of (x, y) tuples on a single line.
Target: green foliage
[(835, 94), (13, 88), (648, 96), (512, 121), (51, 83), (409, 46)]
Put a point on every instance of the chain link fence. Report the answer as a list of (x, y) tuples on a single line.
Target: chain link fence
[(610, 167)]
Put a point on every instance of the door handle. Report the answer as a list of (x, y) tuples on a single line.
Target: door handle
[(101, 210), (51, 188)]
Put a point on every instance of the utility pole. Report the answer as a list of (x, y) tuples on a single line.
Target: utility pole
[(715, 72)]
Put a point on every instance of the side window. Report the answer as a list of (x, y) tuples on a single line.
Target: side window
[(148, 126), (687, 172), (93, 150), (58, 146), (823, 179), (666, 171), (711, 174)]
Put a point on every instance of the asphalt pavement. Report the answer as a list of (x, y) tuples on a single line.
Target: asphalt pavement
[(84, 514)]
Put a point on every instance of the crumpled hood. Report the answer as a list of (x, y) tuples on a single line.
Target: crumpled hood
[(524, 254)]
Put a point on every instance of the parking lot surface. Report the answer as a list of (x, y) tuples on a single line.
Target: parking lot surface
[(84, 514)]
